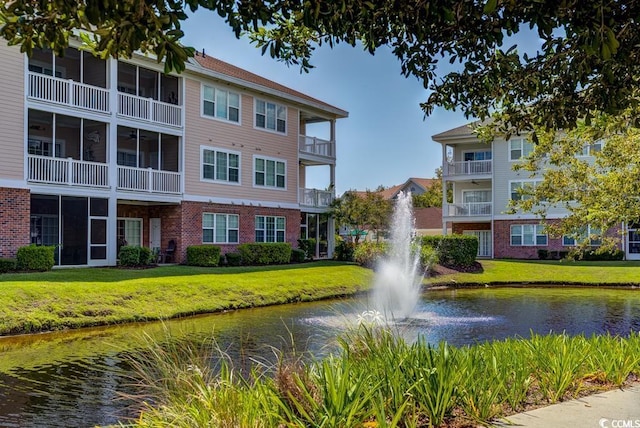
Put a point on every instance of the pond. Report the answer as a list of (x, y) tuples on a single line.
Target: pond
[(75, 379)]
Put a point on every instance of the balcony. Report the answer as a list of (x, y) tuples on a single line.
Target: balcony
[(50, 170), (316, 148), (469, 209), (466, 168), (148, 180), (315, 198), (67, 93), (149, 110)]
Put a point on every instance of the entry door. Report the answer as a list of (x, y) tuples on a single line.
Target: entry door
[(484, 241), (154, 234), (633, 242)]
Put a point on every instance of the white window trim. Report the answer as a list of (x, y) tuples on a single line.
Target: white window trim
[(477, 190), (535, 236), (588, 147), (464, 152), (214, 228), (220, 119), (576, 242), (522, 141), (219, 149), (258, 186), (265, 129), (138, 219), (275, 230), (535, 182)]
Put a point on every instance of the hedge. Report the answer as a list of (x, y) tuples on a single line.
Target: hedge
[(132, 256), (345, 251), (308, 246), (453, 250), (206, 255), (265, 253), (7, 265), (298, 255), (233, 259), (35, 258), (368, 253)]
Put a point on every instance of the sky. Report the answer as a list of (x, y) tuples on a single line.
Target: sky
[(385, 140)]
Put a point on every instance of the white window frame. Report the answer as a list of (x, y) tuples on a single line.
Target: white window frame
[(464, 153), (570, 241), (214, 228), (521, 184), (217, 150), (276, 109), (587, 149), (136, 220), (537, 232), (275, 174), (216, 91), (523, 143), (466, 191), (265, 229)]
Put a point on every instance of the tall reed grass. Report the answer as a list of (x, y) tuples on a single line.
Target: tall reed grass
[(379, 380)]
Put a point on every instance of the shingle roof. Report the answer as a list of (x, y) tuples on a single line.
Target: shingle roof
[(461, 131), (219, 66), (392, 191)]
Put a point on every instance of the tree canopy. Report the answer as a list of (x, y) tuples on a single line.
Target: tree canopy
[(592, 171), (359, 211), (588, 59)]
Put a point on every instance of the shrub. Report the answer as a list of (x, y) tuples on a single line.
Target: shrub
[(308, 246), (37, 258), (543, 254), (265, 253), (203, 255), (132, 256), (428, 258), (233, 259), (345, 251), (298, 255), (611, 255), (453, 250), (7, 265), (368, 253)]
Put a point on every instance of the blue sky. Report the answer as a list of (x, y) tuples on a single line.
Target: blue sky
[(385, 140)]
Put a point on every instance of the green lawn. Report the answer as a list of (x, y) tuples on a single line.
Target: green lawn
[(72, 298), (546, 272)]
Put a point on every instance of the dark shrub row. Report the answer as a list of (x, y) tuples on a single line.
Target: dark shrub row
[(134, 256), (203, 255), (453, 250)]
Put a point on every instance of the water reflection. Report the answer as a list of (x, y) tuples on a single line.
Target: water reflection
[(74, 378)]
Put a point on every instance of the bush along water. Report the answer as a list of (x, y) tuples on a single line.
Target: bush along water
[(377, 379)]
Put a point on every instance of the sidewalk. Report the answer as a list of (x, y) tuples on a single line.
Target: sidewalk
[(611, 409)]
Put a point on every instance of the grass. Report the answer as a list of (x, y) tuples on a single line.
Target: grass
[(73, 298), (546, 272), (379, 380)]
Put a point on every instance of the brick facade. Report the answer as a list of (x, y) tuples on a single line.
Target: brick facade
[(183, 223), (460, 227), (15, 208)]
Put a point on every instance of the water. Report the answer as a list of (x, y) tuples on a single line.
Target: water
[(396, 289), (74, 379)]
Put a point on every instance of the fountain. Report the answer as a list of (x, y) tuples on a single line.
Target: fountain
[(398, 280)]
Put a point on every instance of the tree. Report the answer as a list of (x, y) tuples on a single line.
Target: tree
[(601, 191), (432, 197), (362, 212), (588, 60)]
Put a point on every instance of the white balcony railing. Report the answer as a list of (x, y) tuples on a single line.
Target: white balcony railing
[(315, 198), (317, 146), (148, 180), (469, 209), (468, 168), (149, 110), (46, 169), (67, 92)]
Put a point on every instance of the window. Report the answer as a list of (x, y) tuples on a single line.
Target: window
[(591, 149), (594, 234), (477, 156), (220, 228), (271, 116), (270, 173), (219, 165), (220, 104), (270, 229), (528, 235), (129, 232), (519, 148), (521, 190)]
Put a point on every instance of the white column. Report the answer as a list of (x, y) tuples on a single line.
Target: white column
[(444, 189), (112, 161)]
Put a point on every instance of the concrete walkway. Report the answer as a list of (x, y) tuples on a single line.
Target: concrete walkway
[(611, 409)]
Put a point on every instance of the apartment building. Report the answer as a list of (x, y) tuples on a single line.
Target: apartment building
[(483, 182), (103, 153)]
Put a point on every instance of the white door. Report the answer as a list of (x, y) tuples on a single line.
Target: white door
[(633, 242), (155, 242), (484, 241)]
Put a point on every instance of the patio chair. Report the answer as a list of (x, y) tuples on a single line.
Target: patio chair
[(169, 253)]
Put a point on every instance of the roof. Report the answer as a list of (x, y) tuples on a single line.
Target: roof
[(257, 82), (428, 218), (465, 130), (393, 191)]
